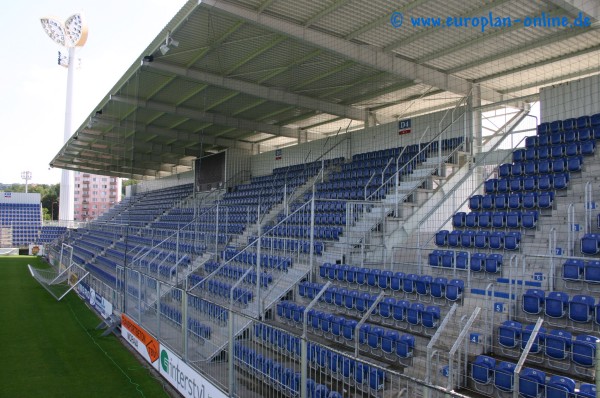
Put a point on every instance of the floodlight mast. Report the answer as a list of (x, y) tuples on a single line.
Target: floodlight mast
[(70, 34)]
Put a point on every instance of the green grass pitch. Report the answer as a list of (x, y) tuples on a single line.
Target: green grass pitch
[(51, 349)]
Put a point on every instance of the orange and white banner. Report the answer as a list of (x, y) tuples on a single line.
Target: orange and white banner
[(142, 341)]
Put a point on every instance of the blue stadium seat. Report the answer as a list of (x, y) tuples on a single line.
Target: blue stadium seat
[(454, 289), (538, 343), (430, 316), (529, 219), (478, 261), (422, 285), (558, 344), (438, 287), (503, 185), (590, 244), (462, 260), (504, 376), (493, 263), (584, 134), (583, 350), (496, 240), (413, 313), (509, 334), (441, 237), (591, 271), (586, 390), (581, 308), (544, 166), (499, 219), (560, 387), (467, 238), (458, 219), (487, 202), (388, 341), (583, 122), (472, 219), (531, 383), (405, 346), (556, 304), (504, 170), (515, 200), (587, 148), (475, 202), (399, 310), (482, 369), (573, 269)]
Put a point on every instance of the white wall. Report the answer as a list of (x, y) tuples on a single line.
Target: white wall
[(20, 197), (571, 99), (167, 182)]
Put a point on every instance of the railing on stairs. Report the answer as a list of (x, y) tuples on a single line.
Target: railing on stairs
[(450, 194)]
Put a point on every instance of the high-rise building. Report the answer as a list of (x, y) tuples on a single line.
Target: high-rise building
[(94, 195)]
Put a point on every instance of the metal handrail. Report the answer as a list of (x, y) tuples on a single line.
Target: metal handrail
[(481, 161)]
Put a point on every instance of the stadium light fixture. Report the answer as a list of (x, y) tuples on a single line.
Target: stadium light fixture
[(168, 44), (26, 175), (70, 34)]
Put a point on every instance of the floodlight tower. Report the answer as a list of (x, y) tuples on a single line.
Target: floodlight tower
[(26, 175), (70, 34)]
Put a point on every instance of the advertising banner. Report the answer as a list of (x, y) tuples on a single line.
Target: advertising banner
[(186, 380), (36, 250), (103, 306), (141, 340)]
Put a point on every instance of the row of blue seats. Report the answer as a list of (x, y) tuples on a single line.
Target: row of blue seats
[(240, 295), (496, 240), (337, 218), (361, 179), (303, 231), (512, 201), (590, 244), (555, 151), (108, 277), (277, 375), (555, 344), (563, 137), (475, 261), (486, 371), (365, 174), (288, 244), (195, 327), (234, 272), (580, 308), (495, 219), (540, 166), (580, 122), (389, 341), (319, 357), (273, 261), (385, 279), (544, 182), (213, 311), (578, 269)]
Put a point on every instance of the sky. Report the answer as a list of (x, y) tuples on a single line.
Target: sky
[(33, 85)]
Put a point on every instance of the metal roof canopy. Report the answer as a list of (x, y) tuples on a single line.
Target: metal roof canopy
[(258, 74)]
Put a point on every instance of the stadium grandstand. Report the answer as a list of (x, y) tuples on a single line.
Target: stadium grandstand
[(353, 199)]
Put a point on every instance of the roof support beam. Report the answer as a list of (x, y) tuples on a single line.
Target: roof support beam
[(257, 90), (364, 55), (589, 8), (211, 117), (548, 61), (184, 138)]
